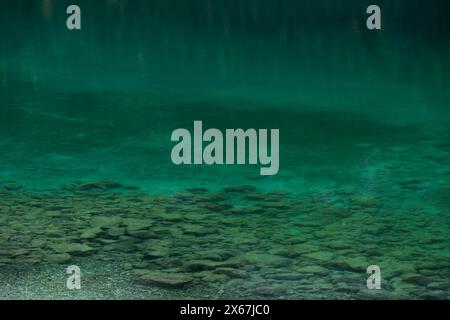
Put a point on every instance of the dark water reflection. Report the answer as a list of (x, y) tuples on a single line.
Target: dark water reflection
[(308, 53)]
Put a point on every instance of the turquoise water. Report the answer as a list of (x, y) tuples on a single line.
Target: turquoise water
[(364, 149)]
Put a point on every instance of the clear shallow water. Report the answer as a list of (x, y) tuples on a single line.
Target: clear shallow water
[(364, 143)]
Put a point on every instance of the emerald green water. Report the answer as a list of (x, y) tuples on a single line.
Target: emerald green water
[(364, 147)]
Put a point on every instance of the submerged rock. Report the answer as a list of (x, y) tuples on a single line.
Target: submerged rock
[(415, 278), (264, 259), (255, 196), (439, 286), (366, 201), (91, 233), (434, 295), (120, 247), (240, 189), (196, 230), (314, 270), (116, 232), (210, 197), (299, 249), (270, 291), (278, 193), (155, 254), (13, 187), (99, 185), (320, 255), (197, 190), (217, 207), (106, 222), (286, 276), (164, 280), (77, 249), (200, 265), (358, 264), (140, 234), (231, 272), (247, 210), (275, 204), (134, 225)]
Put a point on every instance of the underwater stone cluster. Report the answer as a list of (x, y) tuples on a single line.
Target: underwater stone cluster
[(263, 244)]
